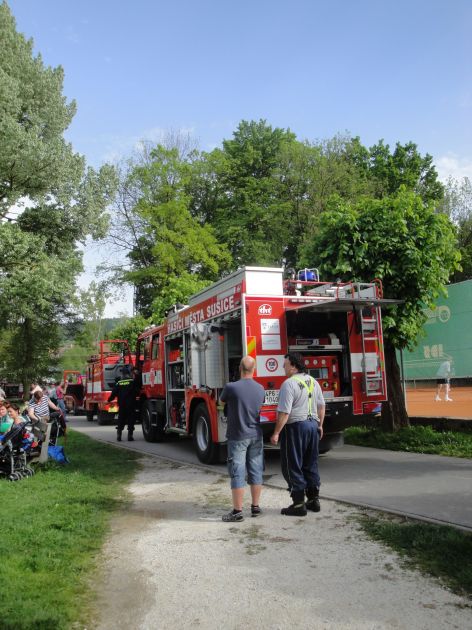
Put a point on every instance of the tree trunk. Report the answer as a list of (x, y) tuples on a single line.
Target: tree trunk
[(394, 414)]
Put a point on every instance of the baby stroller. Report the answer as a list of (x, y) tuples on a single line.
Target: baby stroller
[(13, 460)]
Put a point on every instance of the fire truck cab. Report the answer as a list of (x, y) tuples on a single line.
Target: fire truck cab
[(254, 311), (103, 370)]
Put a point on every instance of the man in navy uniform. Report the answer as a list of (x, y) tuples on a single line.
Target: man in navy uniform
[(300, 416)]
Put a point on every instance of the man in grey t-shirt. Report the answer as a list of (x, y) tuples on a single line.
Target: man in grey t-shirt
[(243, 400), (300, 416)]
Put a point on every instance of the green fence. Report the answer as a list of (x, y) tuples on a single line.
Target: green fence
[(447, 337)]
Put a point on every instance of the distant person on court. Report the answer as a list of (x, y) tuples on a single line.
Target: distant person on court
[(443, 380), (244, 400)]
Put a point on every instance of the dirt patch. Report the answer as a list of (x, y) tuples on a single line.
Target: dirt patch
[(170, 562)]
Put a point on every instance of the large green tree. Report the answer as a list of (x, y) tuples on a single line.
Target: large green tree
[(171, 253), (309, 174), (35, 289), (35, 159), (410, 247), (248, 212), (62, 204)]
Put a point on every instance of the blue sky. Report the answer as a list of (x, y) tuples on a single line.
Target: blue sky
[(398, 70)]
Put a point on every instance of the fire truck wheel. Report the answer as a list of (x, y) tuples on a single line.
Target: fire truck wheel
[(208, 451), (103, 417), (89, 415), (150, 433)]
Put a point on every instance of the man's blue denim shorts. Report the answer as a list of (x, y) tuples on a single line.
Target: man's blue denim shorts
[(245, 455)]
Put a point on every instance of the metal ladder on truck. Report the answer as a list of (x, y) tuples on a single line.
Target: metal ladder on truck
[(373, 378)]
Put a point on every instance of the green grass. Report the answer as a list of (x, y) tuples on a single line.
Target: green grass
[(53, 526), (413, 439), (440, 551)]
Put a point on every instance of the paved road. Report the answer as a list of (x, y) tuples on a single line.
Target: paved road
[(429, 487)]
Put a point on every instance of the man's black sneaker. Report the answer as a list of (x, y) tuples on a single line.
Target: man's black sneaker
[(255, 510), (233, 517)]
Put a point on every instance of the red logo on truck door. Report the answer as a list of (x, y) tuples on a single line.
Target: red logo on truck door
[(272, 365), (265, 309)]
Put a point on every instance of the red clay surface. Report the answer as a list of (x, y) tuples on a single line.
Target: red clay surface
[(421, 402)]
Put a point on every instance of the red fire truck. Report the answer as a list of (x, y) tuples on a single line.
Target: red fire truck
[(103, 370), (186, 361), (74, 391)]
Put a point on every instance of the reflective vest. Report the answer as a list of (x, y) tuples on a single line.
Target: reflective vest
[(310, 389)]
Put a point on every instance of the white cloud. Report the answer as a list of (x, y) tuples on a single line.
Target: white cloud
[(452, 165)]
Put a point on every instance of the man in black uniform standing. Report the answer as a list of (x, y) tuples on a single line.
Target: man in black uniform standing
[(125, 390)]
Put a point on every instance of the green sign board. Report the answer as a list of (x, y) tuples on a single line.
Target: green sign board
[(447, 337)]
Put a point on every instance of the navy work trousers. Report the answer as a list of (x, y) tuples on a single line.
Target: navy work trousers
[(299, 455)]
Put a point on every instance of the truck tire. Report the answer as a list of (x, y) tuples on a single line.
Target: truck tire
[(207, 451), (89, 415), (103, 417), (150, 433)]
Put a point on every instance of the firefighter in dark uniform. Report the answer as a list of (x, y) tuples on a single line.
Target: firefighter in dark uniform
[(125, 390)]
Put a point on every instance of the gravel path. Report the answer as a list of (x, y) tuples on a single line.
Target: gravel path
[(170, 563)]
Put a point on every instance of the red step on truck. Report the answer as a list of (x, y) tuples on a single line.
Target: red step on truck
[(186, 361)]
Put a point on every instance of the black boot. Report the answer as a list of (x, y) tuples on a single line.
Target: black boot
[(118, 435), (313, 501), (298, 506), (130, 436)]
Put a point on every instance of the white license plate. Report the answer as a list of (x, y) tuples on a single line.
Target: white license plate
[(271, 397)]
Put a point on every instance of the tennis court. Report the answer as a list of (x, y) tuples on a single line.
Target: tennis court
[(421, 402)]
